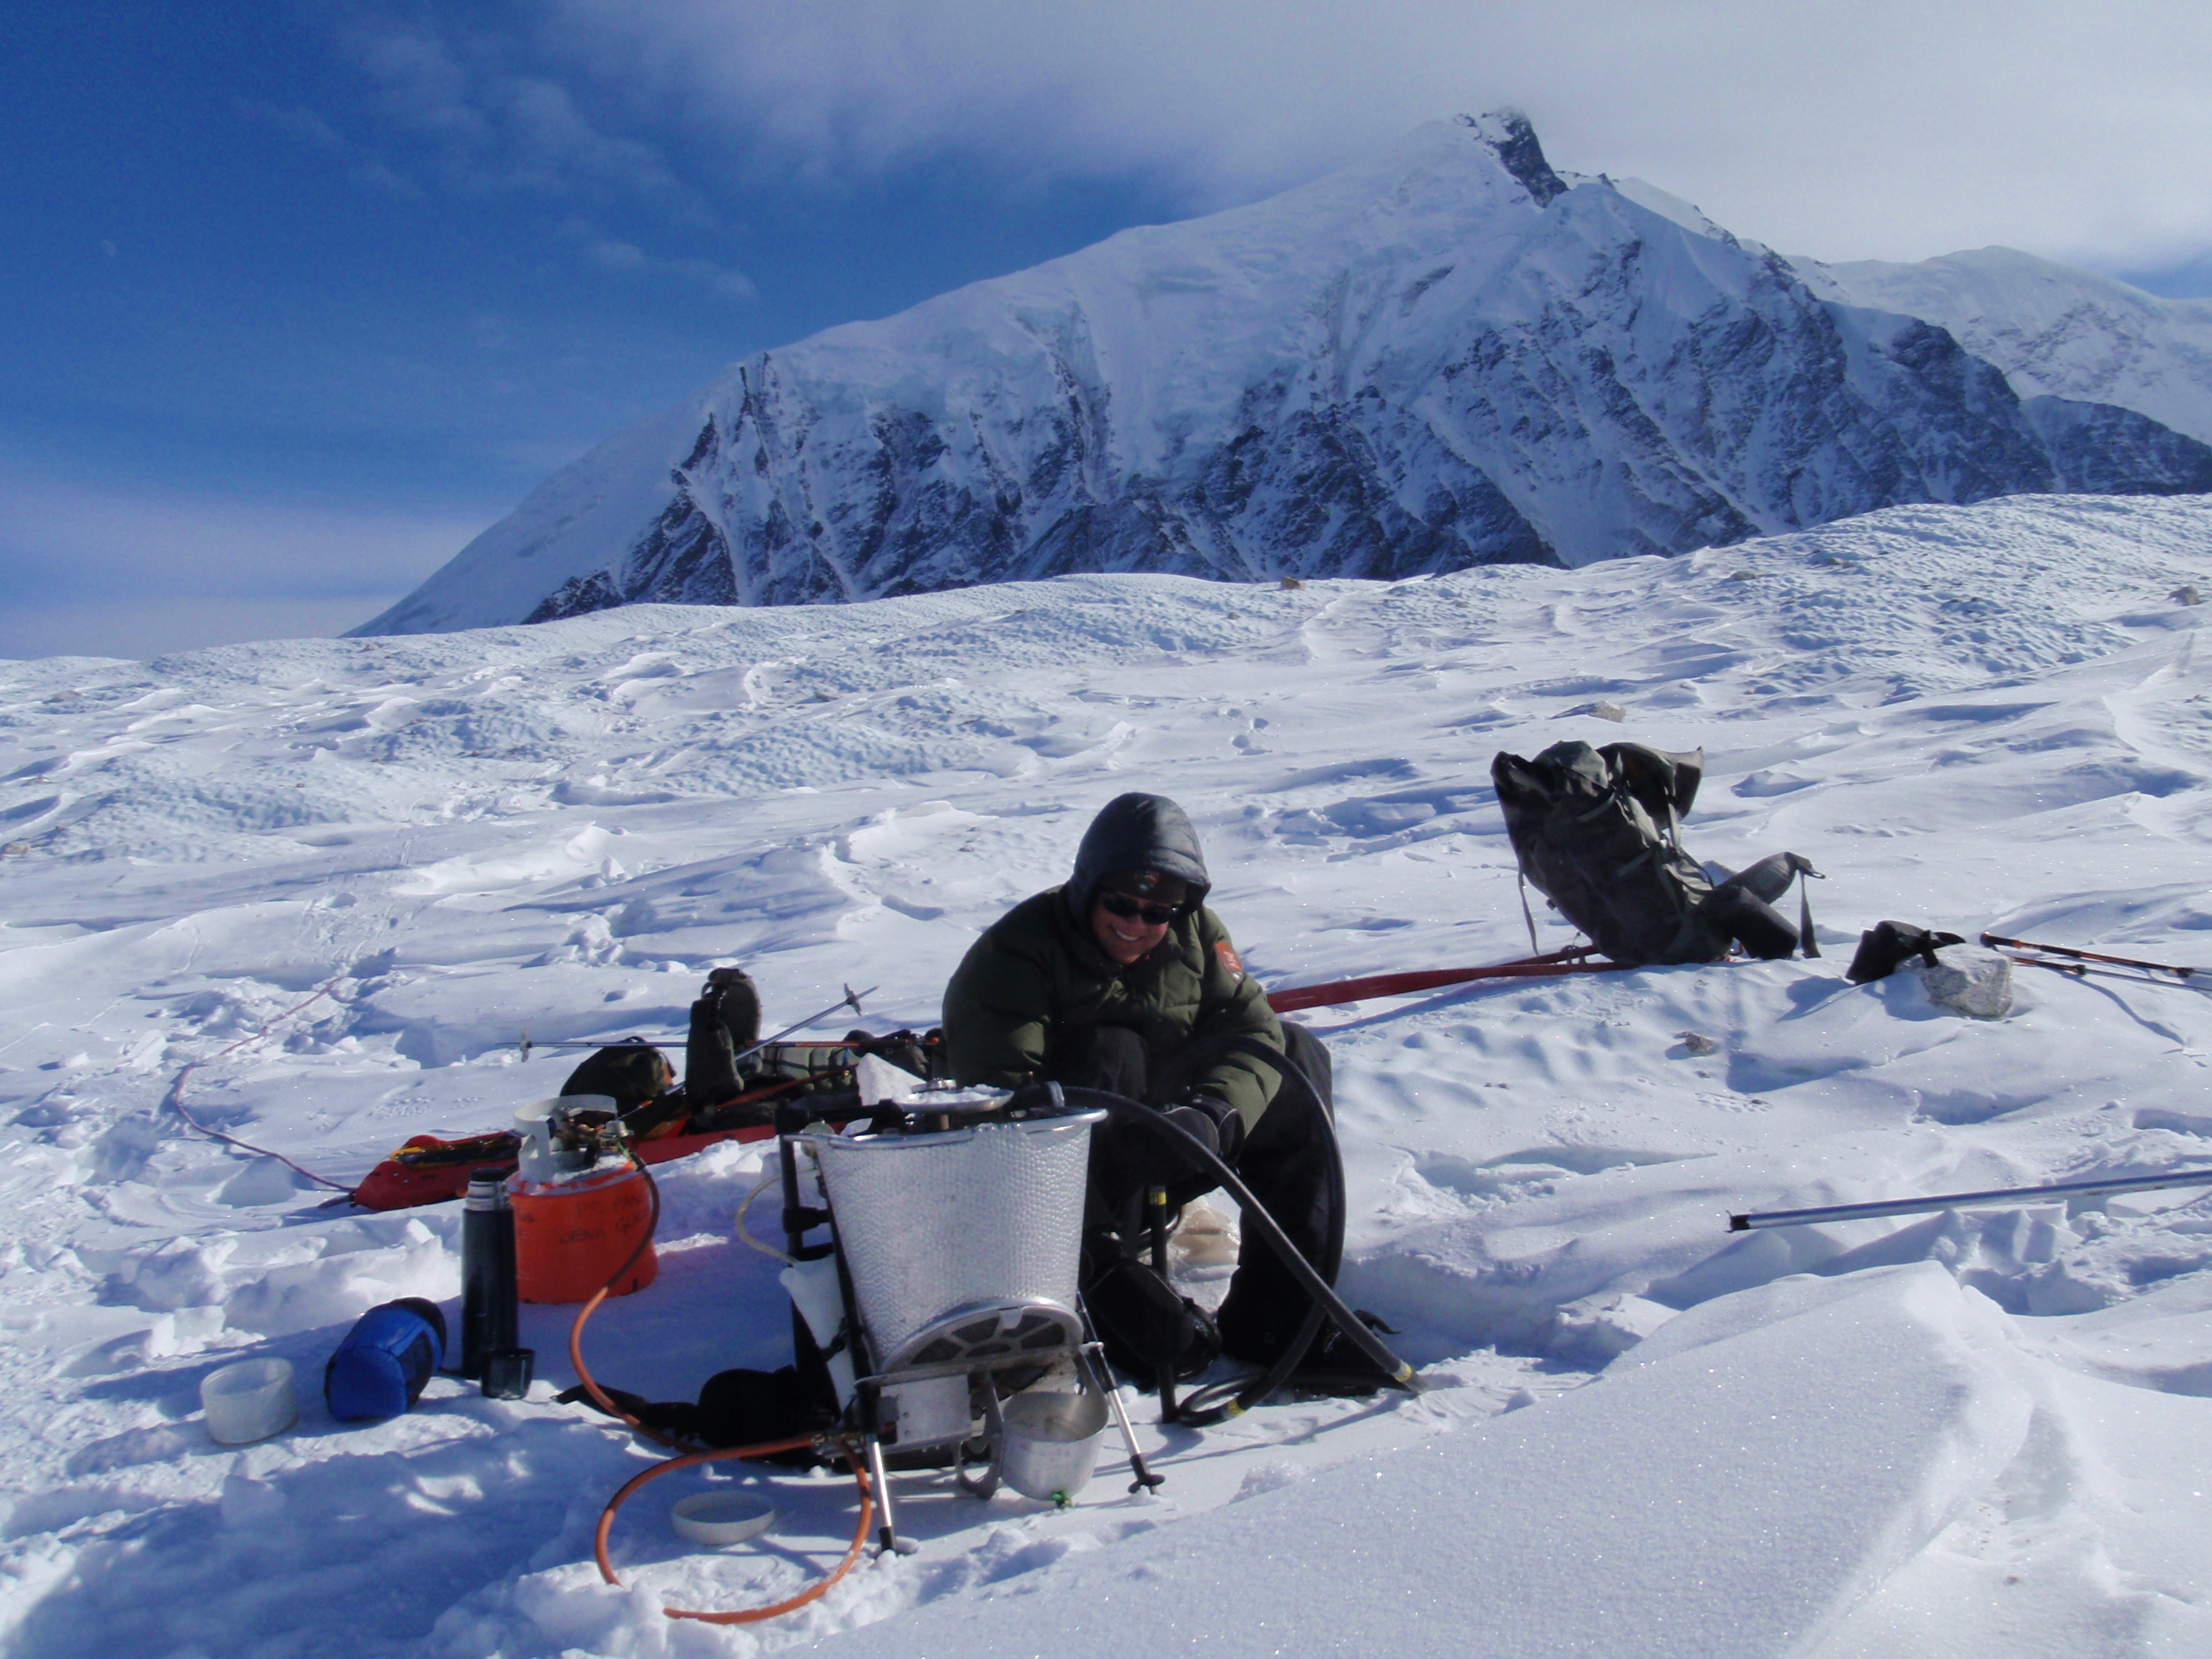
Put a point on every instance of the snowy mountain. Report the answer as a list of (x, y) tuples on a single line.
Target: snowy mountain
[(1452, 356), (2055, 332), (335, 879)]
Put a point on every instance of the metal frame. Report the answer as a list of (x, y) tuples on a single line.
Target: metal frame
[(978, 1359)]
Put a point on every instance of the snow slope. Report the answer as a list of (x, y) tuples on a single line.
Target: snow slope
[(2056, 331), (1979, 1433), (1452, 356)]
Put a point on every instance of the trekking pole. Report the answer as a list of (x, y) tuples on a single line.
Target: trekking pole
[(1156, 1208), (2074, 969), (2090, 956), (2150, 1184), (528, 1044)]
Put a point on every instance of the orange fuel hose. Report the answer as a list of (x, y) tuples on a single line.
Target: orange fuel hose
[(599, 1397), (742, 1615), (692, 1459)]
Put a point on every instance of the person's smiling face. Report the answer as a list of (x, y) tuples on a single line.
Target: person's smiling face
[(1128, 938)]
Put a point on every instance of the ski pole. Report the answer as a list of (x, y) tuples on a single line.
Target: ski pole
[(850, 1000), (528, 1044), (2089, 955), (1738, 1224), (2074, 969)]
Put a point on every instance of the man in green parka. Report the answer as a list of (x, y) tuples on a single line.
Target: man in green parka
[(1118, 981)]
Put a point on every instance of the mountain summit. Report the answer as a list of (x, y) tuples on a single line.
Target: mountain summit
[(1452, 356)]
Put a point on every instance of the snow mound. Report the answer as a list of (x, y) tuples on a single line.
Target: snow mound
[(1724, 1496)]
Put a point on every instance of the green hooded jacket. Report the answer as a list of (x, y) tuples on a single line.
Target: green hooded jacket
[(1038, 970)]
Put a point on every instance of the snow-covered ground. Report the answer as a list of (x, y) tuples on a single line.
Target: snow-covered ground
[(1980, 1433)]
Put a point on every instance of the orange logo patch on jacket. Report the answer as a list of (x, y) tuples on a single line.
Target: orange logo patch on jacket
[(1229, 960)]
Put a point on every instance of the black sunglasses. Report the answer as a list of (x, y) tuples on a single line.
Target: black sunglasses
[(1130, 910)]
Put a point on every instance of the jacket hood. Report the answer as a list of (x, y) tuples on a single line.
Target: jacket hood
[(1137, 832)]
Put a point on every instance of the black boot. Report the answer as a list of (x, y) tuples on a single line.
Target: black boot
[(1142, 1321), (725, 1023), (1336, 1365)]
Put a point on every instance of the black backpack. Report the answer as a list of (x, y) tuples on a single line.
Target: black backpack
[(1598, 832)]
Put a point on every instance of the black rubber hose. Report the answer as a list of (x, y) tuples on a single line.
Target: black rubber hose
[(1217, 1403), (1124, 1111), (1203, 1407)]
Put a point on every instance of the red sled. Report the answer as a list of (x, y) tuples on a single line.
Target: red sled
[(429, 1171)]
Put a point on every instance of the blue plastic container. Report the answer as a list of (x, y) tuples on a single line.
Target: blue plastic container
[(380, 1368)]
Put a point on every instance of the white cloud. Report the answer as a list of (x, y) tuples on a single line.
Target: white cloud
[(366, 166), (133, 572), (1874, 129), (500, 124), (611, 253), (136, 627)]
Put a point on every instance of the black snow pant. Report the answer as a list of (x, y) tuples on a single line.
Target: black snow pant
[(1289, 1161)]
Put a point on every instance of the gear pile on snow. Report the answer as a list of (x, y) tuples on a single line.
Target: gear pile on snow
[(731, 1084)]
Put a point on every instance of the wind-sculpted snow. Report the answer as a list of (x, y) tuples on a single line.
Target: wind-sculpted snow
[(1980, 1433), (1451, 358), (1755, 1535)]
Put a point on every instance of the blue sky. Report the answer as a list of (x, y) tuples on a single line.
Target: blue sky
[(296, 295)]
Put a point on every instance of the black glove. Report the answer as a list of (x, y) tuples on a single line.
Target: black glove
[(1211, 1121)]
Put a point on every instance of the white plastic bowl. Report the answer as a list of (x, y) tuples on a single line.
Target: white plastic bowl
[(249, 1401), (721, 1518)]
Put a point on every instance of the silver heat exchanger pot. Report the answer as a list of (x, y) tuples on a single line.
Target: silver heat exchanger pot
[(984, 1217)]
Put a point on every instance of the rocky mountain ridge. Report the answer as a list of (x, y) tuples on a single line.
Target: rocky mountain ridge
[(1453, 356), (2054, 330)]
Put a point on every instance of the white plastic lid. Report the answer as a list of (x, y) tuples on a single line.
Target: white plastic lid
[(721, 1518)]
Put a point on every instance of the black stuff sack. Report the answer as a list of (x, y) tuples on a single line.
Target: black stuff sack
[(629, 1073), (380, 1370), (734, 1408), (1598, 832), (725, 1021)]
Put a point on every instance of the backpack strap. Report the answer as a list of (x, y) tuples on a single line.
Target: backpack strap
[(1521, 880), (1805, 942)]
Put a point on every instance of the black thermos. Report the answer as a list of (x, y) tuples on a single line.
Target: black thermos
[(487, 1313)]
